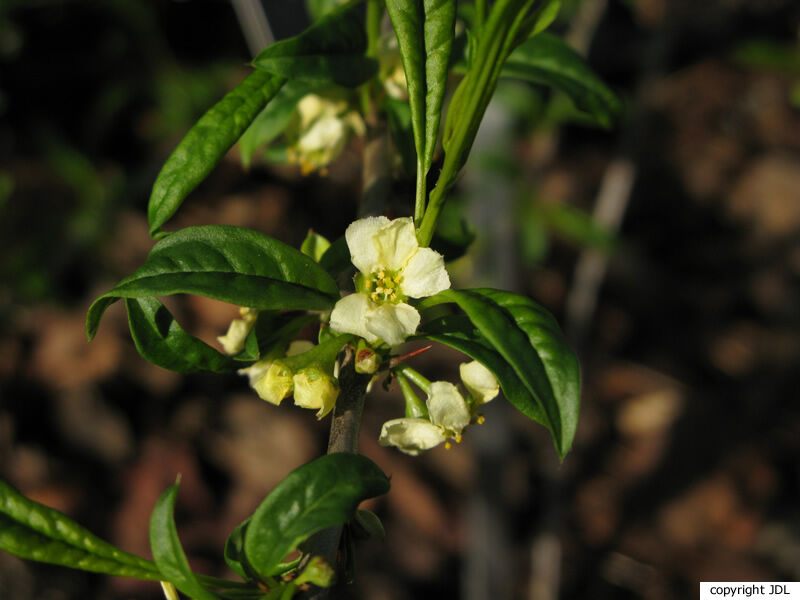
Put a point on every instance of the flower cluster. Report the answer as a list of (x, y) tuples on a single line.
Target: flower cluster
[(320, 132), (312, 384), (392, 268), (448, 412)]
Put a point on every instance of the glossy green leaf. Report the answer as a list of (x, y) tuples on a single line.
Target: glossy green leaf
[(548, 60), (234, 551), (36, 532), (458, 332), (274, 119), (424, 30), (320, 494), (167, 551), (439, 27), (495, 41), (330, 51), (225, 263), (161, 340), (529, 340), (206, 143)]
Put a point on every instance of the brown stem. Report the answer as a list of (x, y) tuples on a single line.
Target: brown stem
[(346, 421)]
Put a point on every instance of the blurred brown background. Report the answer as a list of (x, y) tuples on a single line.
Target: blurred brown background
[(681, 294)]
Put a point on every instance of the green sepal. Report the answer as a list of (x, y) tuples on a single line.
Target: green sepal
[(315, 245)]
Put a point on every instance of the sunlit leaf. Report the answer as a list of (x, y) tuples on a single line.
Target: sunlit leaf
[(529, 341), (33, 531), (227, 263), (320, 494), (206, 143), (167, 551)]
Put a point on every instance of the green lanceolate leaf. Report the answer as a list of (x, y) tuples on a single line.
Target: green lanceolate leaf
[(331, 51), (496, 39), (234, 551), (274, 119), (36, 532), (439, 30), (167, 551), (320, 494), (408, 20), (161, 340), (206, 143), (424, 30), (548, 60), (458, 332), (225, 263), (528, 338)]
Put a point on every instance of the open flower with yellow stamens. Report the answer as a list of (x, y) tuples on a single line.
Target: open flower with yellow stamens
[(393, 268), (448, 411), (449, 415)]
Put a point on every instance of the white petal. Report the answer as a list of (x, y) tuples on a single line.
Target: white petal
[(360, 236), (411, 435), (349, 315), (396, 243), (479, 381), (233, 341), (447, 407), (327, 134), (393, 323), (425, 275), (256, 371)]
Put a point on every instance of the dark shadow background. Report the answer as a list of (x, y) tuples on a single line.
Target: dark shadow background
[(685, 467)]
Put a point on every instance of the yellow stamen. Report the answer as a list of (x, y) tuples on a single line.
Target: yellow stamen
[(481, 420), (447, 445), (374, 296), (458, 438)]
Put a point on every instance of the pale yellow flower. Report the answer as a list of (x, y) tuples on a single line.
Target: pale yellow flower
[(448, 416), (233, 341), (392, 268)]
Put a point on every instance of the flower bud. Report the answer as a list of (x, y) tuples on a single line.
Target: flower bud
[(479, 381), (233, 341), (275, 384), (367, 360), (315, 389)]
